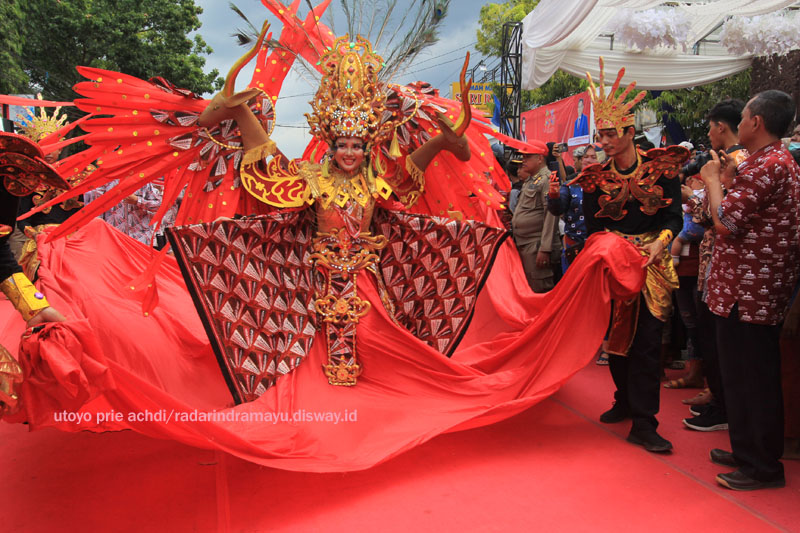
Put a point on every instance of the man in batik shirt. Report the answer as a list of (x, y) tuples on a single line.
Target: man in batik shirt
[(132, 216), (754, 268)]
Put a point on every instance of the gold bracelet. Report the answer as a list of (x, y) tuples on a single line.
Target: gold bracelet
[(416, 173), (23, 295), (665, 237)]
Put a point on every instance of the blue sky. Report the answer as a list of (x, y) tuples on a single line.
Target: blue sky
[(438, 65)]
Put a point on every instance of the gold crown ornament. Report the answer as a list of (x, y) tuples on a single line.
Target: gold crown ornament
[(350, 101), (37, 127), (612, 112)]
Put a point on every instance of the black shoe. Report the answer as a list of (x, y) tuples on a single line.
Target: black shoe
[(650, 440), (698, 410), (708, 421), (617, 413), (738, 481), (721, 457)]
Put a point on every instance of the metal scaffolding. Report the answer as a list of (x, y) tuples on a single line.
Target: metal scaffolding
[(511, 79)]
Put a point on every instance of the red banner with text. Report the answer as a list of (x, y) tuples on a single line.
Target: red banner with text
[(569, 121)]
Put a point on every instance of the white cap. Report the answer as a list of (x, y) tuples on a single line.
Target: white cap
[(687, 145)]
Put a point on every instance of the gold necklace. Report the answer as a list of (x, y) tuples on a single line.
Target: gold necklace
[(636, 174)]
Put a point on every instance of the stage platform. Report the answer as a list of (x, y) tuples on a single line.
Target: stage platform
[(551, 468)]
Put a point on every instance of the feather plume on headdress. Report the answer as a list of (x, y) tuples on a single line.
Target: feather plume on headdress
[(610, 111)]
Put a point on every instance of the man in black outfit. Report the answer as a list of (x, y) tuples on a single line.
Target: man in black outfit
[(619, 197)]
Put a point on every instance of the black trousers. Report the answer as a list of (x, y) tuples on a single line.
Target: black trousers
[(687, 308), (707, 346), (750, 365), (638, 376)]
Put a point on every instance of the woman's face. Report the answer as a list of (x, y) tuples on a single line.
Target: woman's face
[(348, 152), (589, 157)]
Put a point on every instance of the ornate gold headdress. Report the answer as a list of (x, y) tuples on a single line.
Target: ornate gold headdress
[(37, 127), (350, 102), (613, 112)]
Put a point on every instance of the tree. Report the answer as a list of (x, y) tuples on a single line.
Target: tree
[(143, 38), (14, 79), (777, 72), (688, 107), (490, 43), (492, 18)]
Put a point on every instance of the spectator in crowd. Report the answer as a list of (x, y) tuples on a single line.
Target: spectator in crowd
[(567, 201), (709, 406), (685, 249), (790, 368), (794, 141), (600, 153), (790, 357), (517, 176), (754, 269), (535, 229), (132, 216)]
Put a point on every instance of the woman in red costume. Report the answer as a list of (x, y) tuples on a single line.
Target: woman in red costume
[(347, 328)]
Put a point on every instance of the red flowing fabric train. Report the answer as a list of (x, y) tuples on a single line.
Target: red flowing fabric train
[(160, 377)]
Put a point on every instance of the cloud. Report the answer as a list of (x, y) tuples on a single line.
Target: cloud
[(438, 65)]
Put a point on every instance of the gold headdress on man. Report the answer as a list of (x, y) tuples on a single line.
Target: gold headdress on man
[(610, 111), (37, 127), (350, 101)]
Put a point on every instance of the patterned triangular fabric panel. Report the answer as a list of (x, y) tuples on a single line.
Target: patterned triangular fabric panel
[(251, 281), (434, 268)]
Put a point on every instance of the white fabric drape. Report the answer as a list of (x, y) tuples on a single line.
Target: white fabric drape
[(653, 71), (563, 34)]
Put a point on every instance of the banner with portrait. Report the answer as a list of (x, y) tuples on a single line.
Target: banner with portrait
[(569, 121)]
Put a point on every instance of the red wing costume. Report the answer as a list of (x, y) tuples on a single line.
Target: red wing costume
[(358, 315)]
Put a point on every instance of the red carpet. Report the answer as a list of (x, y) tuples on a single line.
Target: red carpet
[(550, 468)]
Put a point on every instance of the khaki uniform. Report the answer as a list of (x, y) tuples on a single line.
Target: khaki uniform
[(535, 229)]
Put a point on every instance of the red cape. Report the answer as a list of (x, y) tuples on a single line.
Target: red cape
[(159, 375)]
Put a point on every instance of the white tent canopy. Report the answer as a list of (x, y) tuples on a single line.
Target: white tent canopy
[(566, 35)]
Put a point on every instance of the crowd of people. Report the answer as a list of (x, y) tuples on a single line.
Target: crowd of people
[(721, 237)]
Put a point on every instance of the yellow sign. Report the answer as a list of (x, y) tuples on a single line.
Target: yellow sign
[(479, 95)]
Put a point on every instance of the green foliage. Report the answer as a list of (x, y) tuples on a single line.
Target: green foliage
[(13, 79), (143, 38), (560, 85), (688, 107), (492, 18), (490, 43)]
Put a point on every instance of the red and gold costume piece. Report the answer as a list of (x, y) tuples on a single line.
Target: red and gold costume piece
[(23, 168), (661, 279), (38, 126), (23, 295), (613, 111), (350, 102), (619, 189), (340, 258), (10, 380)]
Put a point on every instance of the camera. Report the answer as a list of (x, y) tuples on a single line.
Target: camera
[(695, 164)]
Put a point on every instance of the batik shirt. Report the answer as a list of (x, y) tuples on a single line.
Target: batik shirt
[(758, 264), (133, 220)]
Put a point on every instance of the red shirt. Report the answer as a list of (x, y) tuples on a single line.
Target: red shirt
[(758, 264)]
